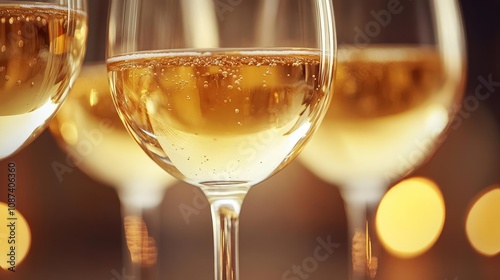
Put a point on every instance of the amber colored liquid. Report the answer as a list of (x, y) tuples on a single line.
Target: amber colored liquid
[(219, 118), (37, 53), (41, 48)]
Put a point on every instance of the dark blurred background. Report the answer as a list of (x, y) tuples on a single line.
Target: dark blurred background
[(76, 224)]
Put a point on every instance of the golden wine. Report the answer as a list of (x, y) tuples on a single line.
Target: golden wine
[(225, 117), (41, 46), (88, 128), (390, 106)]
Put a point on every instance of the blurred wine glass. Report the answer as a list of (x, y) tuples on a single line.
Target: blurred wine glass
[(400, 77), (42, 45), (88, 128), (220, 96)]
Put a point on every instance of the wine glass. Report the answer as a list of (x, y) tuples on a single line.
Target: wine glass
[(221, 94), (88, 128), (42, 45), (400, 77)]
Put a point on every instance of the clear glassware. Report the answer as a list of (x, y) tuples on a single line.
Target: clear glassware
[(400, 78), (42, 45), (221, 94), (89, 130)]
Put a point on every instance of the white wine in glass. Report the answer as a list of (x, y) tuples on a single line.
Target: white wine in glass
[(42, 45), (89, 130), (221, 98), (209, 117), (400, 77)]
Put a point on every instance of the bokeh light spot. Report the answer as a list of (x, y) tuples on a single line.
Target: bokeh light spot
[(483, 223), (411, 217)]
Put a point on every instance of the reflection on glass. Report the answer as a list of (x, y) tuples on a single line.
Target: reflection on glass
[(362, 257), (483, 224), (14, 232), (30, 122), (142, 247), (410, 217)]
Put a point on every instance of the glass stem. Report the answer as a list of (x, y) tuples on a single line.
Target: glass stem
[(225, 209), (360, 205)]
